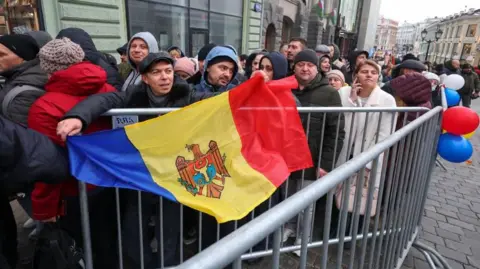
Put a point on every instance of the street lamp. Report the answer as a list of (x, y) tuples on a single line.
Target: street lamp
[(424, 33)]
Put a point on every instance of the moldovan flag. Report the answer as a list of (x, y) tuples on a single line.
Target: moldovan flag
[(223, 155)]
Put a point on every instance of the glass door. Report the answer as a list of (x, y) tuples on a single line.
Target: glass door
[(198, 39)]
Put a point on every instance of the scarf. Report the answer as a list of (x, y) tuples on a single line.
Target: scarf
[(156, 101)]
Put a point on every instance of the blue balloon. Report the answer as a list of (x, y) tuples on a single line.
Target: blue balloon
[(454, 148), (452, 96)]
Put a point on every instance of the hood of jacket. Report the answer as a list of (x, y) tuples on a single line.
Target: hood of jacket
[(84, 40), (352, 58), (218, 51), (174, 48), (26, 73), (149, 39), (336, 52), (279, 64), (41, 37), (81, 79)]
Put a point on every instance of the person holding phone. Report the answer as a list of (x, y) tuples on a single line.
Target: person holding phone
[(364, 92)]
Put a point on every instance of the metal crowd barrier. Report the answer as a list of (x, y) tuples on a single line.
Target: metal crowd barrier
[(329, 214)]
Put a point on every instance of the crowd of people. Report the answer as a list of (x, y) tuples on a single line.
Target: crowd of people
[(61, 87)]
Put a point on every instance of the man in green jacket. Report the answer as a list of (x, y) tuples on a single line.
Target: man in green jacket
[(471, 87)]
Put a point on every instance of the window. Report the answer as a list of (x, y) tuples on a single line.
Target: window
[(459, 31), (226, 30), (198, 19), (472, 30), (454, 50), (466, 51), (167, 23), (18, 17), (231, 7), (200, 4)]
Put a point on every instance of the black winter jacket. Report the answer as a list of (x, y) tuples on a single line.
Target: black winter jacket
[(135, 96), (320, 94), (27, 156), (94, 56), (26, 74)]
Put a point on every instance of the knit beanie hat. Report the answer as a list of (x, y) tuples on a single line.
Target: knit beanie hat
[(186, 65), (24, 46), (203, 52), (59, 54), (336, 74), (307, 55)]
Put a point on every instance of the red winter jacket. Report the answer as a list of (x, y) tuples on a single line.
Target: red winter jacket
[(64, 90)]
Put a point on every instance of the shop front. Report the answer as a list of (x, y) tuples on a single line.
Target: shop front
[(188, 24), (19, 16)]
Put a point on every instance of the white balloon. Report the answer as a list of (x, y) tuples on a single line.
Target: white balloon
[(454, 82)]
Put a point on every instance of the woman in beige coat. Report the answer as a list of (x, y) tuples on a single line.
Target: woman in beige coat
[(364, 93)]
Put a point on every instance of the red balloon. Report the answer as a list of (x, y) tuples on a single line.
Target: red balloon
[(460, 120)]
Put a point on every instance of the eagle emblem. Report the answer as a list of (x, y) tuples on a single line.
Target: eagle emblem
[(205, 174)]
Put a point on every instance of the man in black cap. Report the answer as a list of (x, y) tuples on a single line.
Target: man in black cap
[(24, 80), (315, 91), (201, 56), (160, 88)]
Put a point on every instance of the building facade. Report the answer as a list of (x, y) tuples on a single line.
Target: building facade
[(406, 38), (460, 39), (386, 35), (188, 24), (369, 13)]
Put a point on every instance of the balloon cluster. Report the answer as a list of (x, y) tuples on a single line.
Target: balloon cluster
[(459, 124)]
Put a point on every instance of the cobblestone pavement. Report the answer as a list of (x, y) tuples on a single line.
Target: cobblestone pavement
[(451, 222)]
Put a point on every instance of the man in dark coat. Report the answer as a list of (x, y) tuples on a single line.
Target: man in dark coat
[(24, 80), (94, 56), (325, 138), (156, 91), (26, 157)]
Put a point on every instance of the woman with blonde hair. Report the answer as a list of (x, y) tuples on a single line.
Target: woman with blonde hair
[(364, 92)]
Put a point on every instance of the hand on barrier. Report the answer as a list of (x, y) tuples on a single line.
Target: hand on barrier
[(321, 173), (69, 127)]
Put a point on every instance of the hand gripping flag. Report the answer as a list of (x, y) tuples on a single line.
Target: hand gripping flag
[(223, 156)]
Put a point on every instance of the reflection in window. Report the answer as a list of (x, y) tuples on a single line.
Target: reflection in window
[(167, 23), (226, 30), (472, 30)]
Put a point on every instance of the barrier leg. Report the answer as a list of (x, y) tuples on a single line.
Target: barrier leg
[(87, 242), (277, 240), (439, 163), (424, 249)]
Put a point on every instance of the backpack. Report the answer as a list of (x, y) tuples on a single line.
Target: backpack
[(13, 93), (55, 249)]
